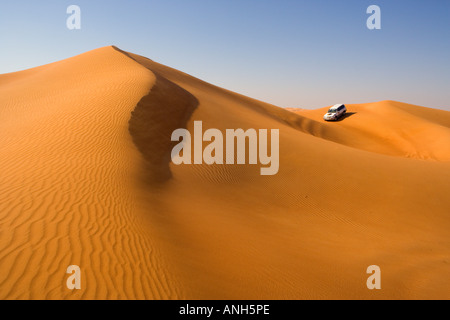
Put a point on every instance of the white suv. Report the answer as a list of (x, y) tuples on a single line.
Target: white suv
[(335, 112)]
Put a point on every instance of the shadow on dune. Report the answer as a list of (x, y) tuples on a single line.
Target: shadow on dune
[(346, 115), (166, 108)]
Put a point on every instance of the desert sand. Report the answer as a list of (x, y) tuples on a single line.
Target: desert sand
[(86, 179)]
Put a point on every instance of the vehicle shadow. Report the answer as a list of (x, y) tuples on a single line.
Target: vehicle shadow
[(346, 115)]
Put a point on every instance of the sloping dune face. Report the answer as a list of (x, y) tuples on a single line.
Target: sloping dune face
[(87, 180), (68, 171)]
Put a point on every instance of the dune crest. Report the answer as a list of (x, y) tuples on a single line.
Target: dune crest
[(86, 179)]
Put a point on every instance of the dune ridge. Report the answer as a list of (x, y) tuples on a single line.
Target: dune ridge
[(86, 179)]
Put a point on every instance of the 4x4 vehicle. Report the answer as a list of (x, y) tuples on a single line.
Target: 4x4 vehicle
[(335, 112)]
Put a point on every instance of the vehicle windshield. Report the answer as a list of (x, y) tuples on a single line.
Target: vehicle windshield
[(332, 111)]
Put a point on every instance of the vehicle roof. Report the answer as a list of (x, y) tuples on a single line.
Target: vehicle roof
[(337, 106)]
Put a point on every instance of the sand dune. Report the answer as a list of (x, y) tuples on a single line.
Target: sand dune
[(87, 179), (386, 127), (67, 182)]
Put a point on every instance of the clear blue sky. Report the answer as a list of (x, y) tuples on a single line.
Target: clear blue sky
[(291, 53)]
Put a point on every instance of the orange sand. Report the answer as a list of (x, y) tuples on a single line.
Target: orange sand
[(86, 179)]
